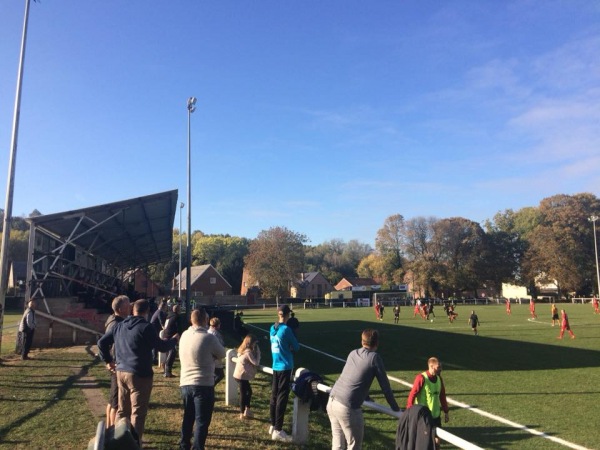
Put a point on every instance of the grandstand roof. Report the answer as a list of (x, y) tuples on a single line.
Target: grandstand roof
[(127, 234)]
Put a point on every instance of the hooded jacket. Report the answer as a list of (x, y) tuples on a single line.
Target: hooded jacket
[(133, 340)]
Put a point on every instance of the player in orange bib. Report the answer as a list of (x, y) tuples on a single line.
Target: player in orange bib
[(508, 307)]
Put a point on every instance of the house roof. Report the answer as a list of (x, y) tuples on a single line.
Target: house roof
[(361, 281), (307, 278), (127, 234), (197, 272)]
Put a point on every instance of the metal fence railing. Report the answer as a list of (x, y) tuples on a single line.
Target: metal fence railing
[(301, 410)]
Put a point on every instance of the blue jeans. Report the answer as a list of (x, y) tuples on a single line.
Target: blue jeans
[(198, 404)]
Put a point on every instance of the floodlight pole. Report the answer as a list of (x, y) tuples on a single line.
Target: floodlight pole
[(593, 219), (191, 107), (181, 205), (11, 176)]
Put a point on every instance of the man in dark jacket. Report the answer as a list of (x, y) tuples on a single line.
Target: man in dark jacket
[(120, 306), (134, 339), (171, 329), (158, 322)]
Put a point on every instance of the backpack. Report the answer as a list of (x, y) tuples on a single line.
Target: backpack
[(305, 388)]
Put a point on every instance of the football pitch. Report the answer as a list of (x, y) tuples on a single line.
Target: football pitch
[(530, 385)]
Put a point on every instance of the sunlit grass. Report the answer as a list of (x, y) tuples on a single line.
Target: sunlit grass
[(516, 369)]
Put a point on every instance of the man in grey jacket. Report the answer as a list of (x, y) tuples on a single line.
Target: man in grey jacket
[(352, 389)]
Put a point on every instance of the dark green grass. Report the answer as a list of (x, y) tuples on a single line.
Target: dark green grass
[(515, 368)]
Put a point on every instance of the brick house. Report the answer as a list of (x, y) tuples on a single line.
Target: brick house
[(205, 281), (310, 285)]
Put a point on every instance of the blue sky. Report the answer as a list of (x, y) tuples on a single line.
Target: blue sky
[(322, 116)]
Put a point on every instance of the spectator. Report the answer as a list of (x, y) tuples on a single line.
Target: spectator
[(120, 306), (293, 323), (248, 358), (283, 343), (198, 351), (352, 388), (27, 328), (171, 329), (158, 322), (133, 340), (215, 330)]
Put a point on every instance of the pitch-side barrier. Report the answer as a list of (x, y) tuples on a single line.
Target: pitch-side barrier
[(301, 409)]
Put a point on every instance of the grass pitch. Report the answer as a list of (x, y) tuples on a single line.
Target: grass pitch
[(515, 368)]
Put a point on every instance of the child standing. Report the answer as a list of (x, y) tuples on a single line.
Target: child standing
[(248, 359)]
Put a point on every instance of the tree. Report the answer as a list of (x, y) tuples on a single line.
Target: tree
[(389, 243), (275, 259), (463, 254), (561, 246), (336, 259)]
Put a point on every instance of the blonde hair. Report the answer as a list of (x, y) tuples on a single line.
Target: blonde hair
[(249, 342), (215, 322)]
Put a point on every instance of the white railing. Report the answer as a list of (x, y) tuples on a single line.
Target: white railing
[(301, 409)]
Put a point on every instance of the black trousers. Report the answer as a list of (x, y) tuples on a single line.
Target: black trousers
[(245, 394), (170, 360), (279, 397), (27, 341)]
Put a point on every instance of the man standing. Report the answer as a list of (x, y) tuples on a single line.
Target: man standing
[(215, 330), (171, 329), (508, 306), (474, 322), (352, 388), (27, 328), (396, 313), (134, 339), (120, 306), (198, 350), (293, 323), (283, 343), (158, 322), (428, 390)]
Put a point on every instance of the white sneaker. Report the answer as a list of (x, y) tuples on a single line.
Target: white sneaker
[(271, 429), (281, 436)]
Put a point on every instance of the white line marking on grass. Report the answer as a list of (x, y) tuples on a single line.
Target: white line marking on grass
[(464, 405)]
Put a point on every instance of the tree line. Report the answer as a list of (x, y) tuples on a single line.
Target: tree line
[(550, 243)]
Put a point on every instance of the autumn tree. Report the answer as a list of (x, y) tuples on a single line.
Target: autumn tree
[(421, 259), (389, 243), (336, 259), (275, 259), (561, 246), (463, 254)]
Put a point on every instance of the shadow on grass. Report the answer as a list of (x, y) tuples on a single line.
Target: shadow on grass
[(406, 348), (59, 395), (496, 438)]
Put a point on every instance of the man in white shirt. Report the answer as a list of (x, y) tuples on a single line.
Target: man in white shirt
[(198, 351)]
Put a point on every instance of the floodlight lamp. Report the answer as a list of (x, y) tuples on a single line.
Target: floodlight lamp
[(191, 104)]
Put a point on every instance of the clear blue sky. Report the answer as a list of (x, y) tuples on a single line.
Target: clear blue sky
[(322, 116)]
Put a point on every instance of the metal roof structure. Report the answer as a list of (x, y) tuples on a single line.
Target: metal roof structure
[(127, 234)]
